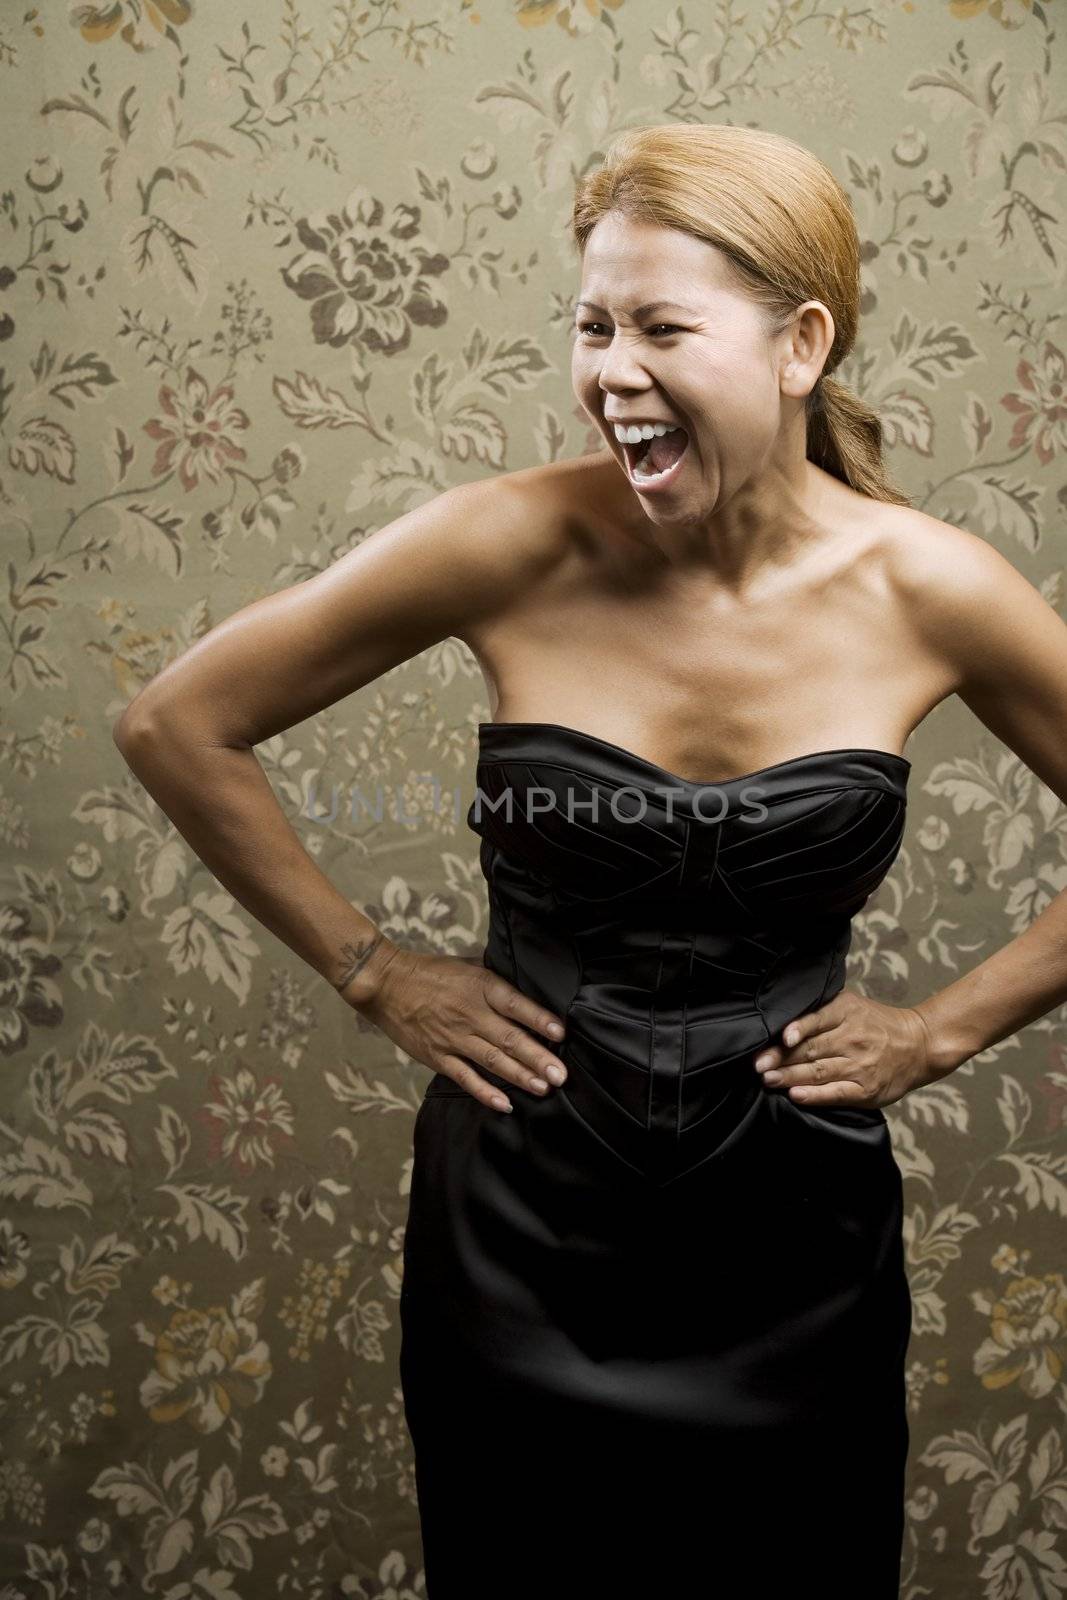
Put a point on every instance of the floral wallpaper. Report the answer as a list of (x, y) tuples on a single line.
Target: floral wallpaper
[(271, 275)]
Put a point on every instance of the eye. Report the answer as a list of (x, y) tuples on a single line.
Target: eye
[(584, 327)]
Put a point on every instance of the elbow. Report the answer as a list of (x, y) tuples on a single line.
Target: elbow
[(130, 727), (122, 737)]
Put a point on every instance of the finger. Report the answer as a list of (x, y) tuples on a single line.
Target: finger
[(777, 1055), (833, 1042), (800, 1028), (512, 1003), (463, 1073), (512, 1053), (845, 1092), (826, 1069), (812, 1022)]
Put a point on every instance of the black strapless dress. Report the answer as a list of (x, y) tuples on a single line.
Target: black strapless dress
[(653, 1324)]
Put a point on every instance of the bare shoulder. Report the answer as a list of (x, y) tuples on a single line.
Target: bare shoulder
[(519, 515), (926, 553), (525, 528), (963, 598)]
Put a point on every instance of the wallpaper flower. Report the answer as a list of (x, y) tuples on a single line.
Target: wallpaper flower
[(269, 277)]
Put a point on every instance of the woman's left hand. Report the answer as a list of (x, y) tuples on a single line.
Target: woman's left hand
[(851, 1052)]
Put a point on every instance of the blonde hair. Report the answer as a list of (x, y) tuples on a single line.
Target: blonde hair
[(787, 229)]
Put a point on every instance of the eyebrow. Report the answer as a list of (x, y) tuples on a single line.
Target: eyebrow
[(642, 311)]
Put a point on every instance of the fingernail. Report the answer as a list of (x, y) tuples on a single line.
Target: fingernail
[(557, 1074), (763, 1062), (772, 1077), (500, 1103), (790, 1036), (556, 1030)]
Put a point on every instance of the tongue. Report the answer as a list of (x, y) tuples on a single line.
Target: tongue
[(664, 452)]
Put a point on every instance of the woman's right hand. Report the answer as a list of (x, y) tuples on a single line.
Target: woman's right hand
[(450, 1011)]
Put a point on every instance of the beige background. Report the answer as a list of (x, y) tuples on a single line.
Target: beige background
[(269, 276)]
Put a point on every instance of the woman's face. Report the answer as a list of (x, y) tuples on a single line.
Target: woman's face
[(703, 360)]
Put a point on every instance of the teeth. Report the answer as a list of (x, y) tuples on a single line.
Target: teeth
[(648, 430)]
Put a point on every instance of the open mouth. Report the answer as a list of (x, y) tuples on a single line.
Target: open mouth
[(653, 463)]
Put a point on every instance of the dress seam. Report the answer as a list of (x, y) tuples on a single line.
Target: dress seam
[(505, 915)]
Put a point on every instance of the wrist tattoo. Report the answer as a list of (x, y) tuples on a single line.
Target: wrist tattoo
[(355, 958)]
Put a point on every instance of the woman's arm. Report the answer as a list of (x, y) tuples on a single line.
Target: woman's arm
[(1003, 649), (189, 735), (1008, 649)]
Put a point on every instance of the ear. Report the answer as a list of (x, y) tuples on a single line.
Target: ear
[(806, 345)]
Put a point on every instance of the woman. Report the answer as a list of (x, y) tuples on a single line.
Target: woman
[(654, 1312)]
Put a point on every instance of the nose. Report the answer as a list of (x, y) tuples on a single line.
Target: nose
[(621, 370)]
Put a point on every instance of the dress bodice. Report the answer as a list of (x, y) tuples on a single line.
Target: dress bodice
[(677, 926)]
